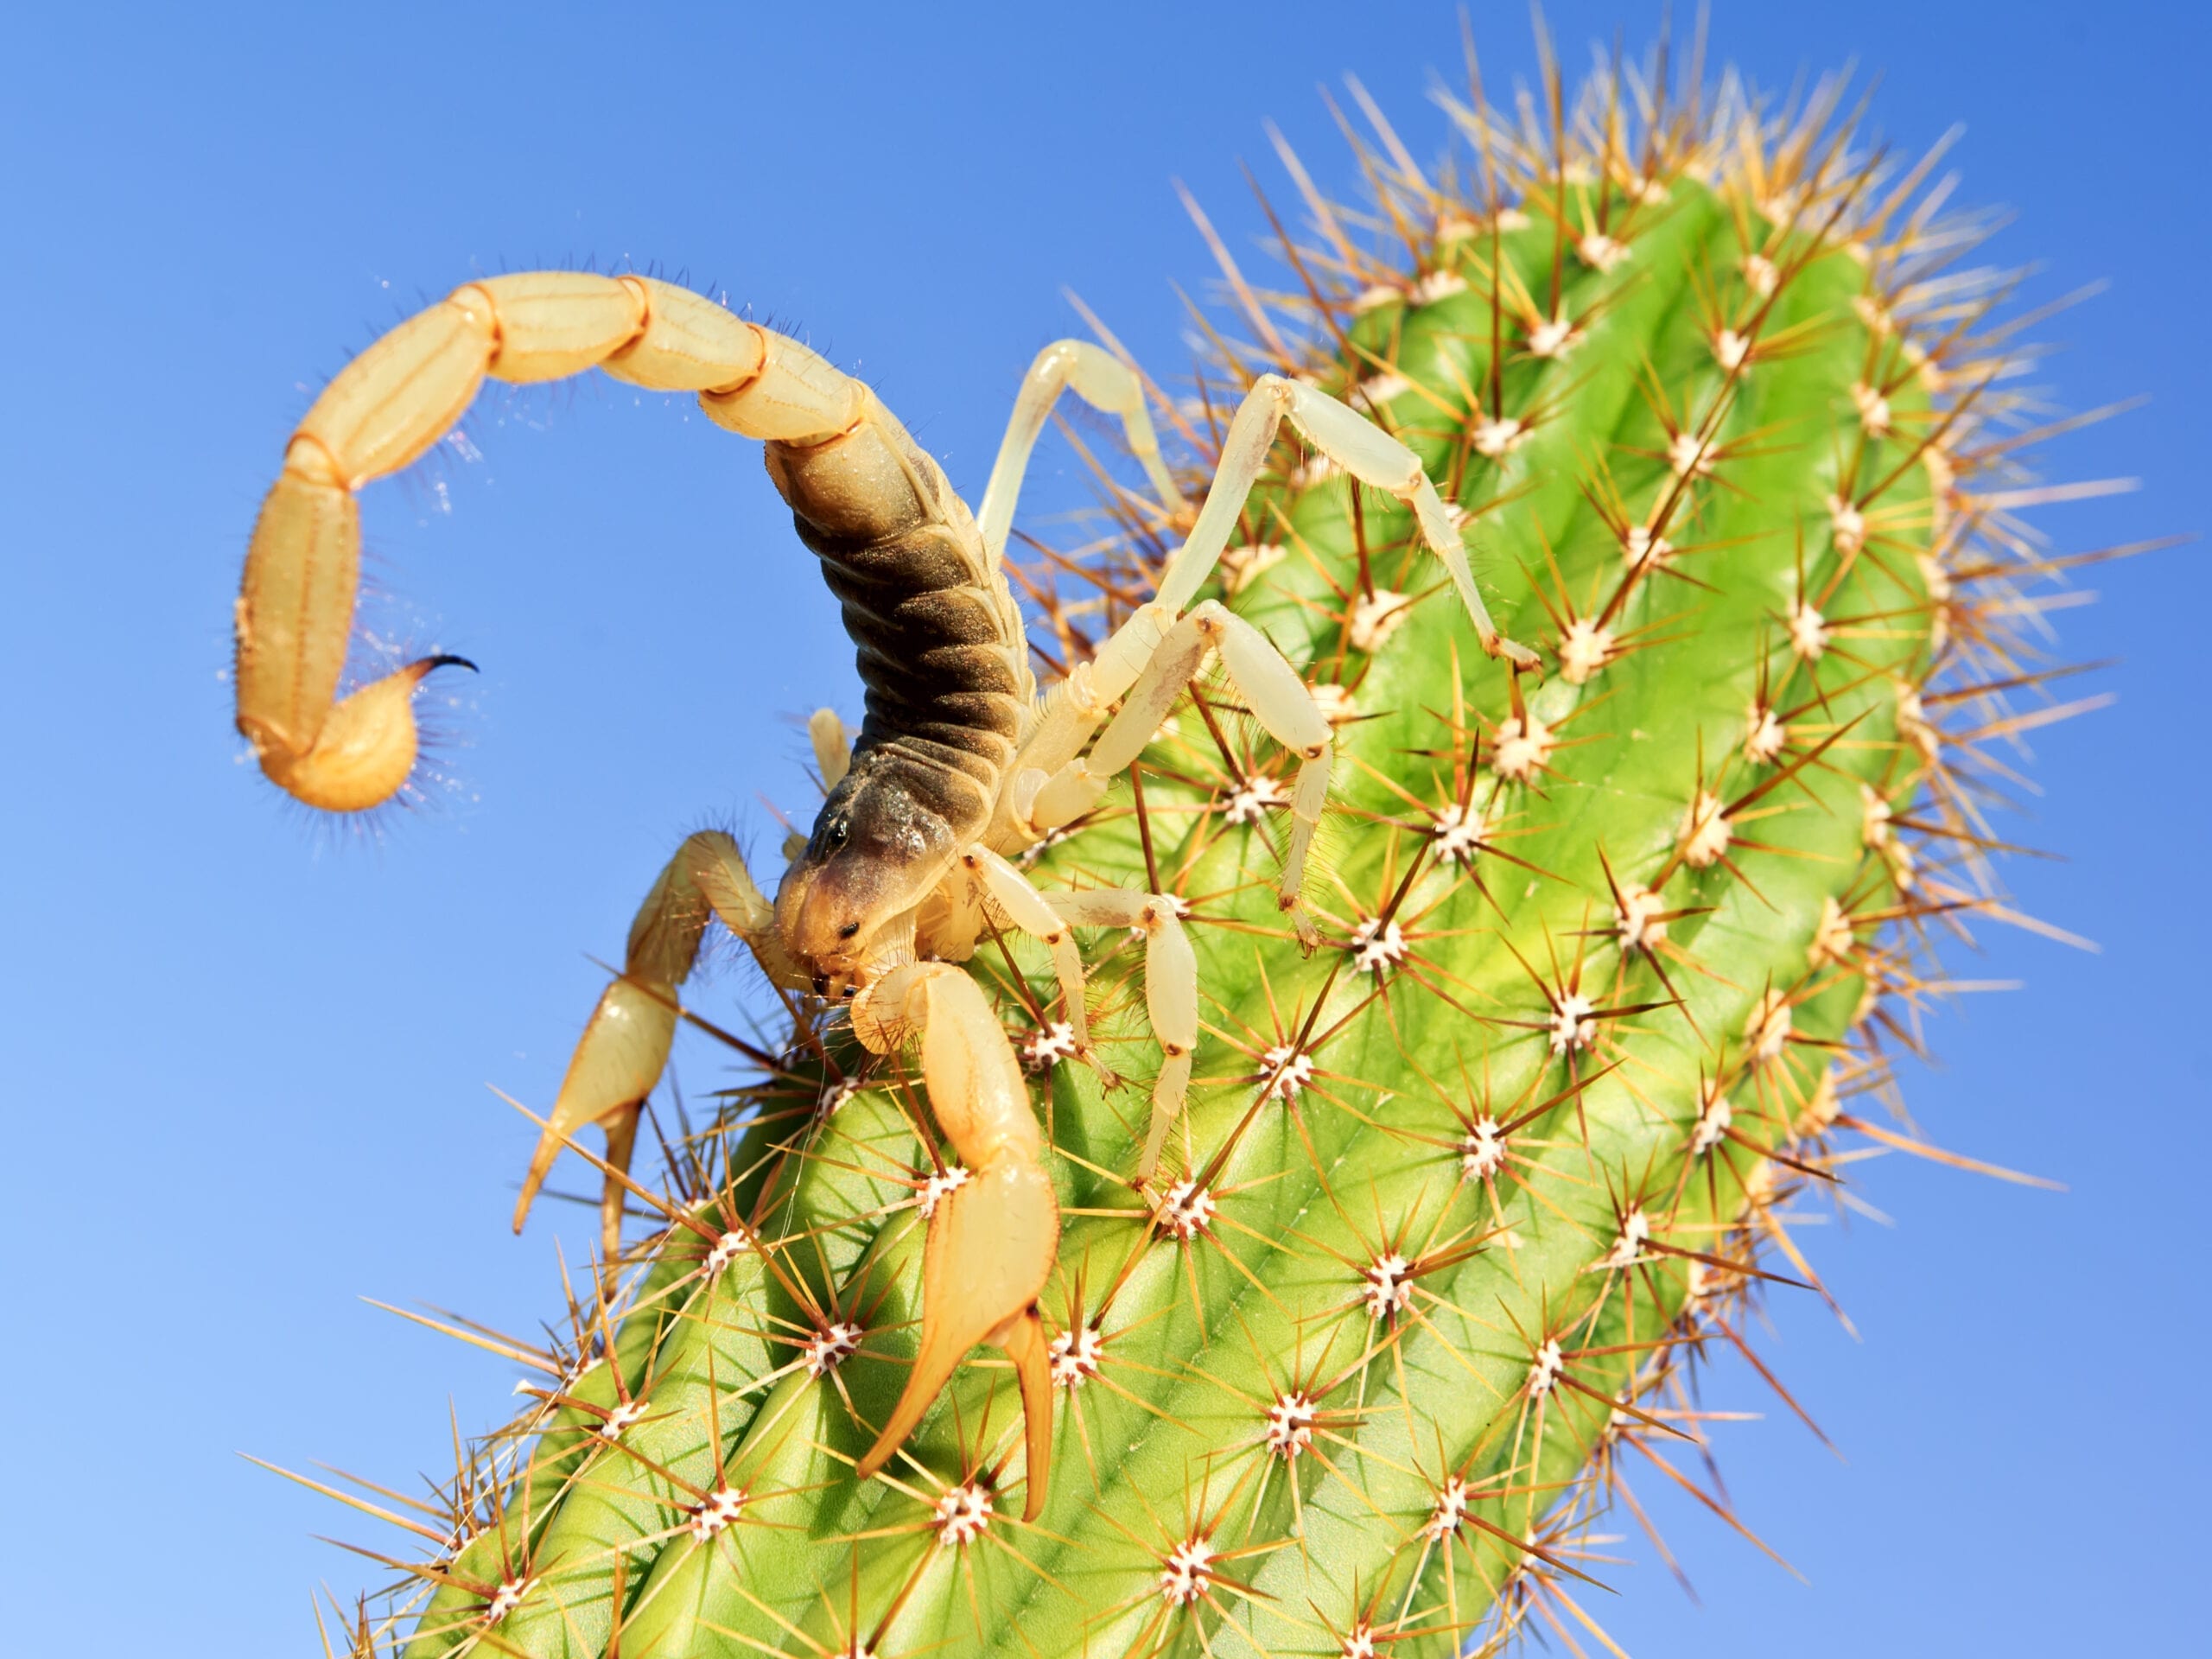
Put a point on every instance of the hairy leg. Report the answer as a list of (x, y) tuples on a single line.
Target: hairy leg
[(1102, 380), (1170, 992), (624, 1045)]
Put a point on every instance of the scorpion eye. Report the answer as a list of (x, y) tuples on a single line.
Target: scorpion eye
[(848, 930)]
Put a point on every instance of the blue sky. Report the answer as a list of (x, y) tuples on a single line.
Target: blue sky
[(247, 1058)]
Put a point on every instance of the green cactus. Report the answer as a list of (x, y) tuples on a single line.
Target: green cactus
[(1462, 1194)]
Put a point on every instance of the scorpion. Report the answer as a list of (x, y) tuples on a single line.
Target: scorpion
[(958, 768)]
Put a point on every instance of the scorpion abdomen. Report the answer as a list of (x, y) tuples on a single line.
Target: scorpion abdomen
[(939, 641)]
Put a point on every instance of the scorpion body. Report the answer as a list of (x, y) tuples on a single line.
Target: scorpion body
[(944, 658), (957, 763)]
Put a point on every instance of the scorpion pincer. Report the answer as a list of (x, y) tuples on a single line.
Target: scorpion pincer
[(958, 765)]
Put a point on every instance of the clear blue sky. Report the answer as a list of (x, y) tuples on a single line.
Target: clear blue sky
[(246, 1062)]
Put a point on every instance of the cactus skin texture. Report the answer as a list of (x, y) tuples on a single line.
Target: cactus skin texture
[(1612, 962)]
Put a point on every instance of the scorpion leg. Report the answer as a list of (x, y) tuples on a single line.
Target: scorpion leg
[(1170, 991), (394, 401), (1044, 789), (1270, 687), (833, 746), (992, 1240), (624, 1046), (1102, 380), (1010, 893), (1354, 442)]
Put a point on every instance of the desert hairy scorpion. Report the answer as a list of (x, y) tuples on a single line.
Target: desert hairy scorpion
[(958, 768)]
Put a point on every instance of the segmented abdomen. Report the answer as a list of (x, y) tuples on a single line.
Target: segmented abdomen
[(940, 644)]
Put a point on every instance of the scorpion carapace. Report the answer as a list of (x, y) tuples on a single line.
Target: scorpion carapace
[(957, 766), (882, 846)]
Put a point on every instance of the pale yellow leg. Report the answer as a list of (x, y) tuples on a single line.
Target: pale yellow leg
[(1354, 442), (1102, 380), (624, 1046), (833, 746), (992, 1240), (1170, 992), (390, 404), (1029, 912), (1269, 686), (1042, 791)]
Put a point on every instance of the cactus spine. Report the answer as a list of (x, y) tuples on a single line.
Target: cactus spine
[(1610, 958)]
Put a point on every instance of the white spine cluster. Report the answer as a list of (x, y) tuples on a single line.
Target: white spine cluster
[(1439, 285), (827, 1350), (715, 1511), (726, 1250), (1555, 338), (1875, 814), (1833, 940), (1573, 1028), (1335, 702), (1809, 631), (1378, 944), (1453, 1499), (1584, 648), (1874, 410), (1077, 1356), (1913, 724), (1848, 527), (1048, 1045), (1640, 547), (1249, 802), (506, 1598), (1284, 1070), (1387, 1286), (1636, 917), (1290, 1425), (1714, 1120), (1544, 1370), (1599, 251), (1240, 565), (962, 1515), (1767, 1030), (1628, 1248), (1522, 749), (1376, 616), (1459, 834), (1498, 436), (1706, 831), (1186, 1210), (1482, 1149), (1187, 1571), (1764, 736), (1689, 455), (1380, 389)]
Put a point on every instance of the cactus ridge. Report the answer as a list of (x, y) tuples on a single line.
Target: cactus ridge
[(1616, 965)]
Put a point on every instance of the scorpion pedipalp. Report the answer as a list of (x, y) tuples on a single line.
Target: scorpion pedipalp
[(624, 1048), (991, 1241)]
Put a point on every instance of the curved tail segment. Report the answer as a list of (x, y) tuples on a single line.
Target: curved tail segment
[(386, 408)]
